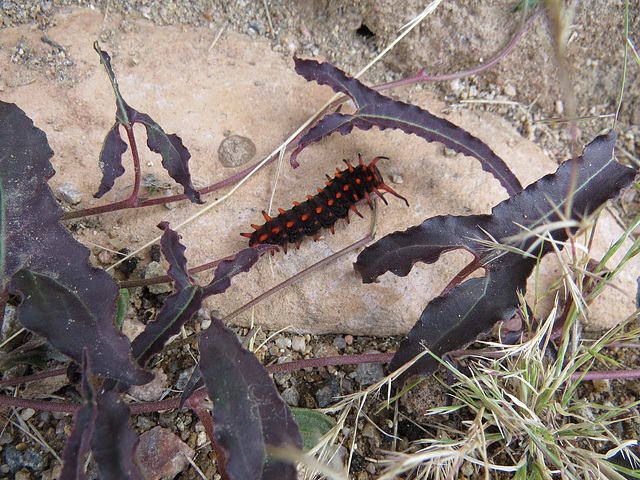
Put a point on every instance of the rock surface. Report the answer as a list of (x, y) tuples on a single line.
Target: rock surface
[(242, 86)]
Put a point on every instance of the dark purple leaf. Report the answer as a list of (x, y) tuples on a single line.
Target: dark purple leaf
[(195, 382), (114, 443), (122, 112), (374, 109), (65, 299), (180, 307), (111, 160), (70, 324), (175, 156), (455, 319), (79, 441), (249, 415), (241, 262)]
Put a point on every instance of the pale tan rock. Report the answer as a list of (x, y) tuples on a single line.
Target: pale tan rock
[(242, 86)]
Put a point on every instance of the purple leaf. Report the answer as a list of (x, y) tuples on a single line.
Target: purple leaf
[(175, 156), (114, 443), (455, 319), (65, 299), (111, 160), (241, 262), (79, 441), (249, 415), (180, 307), (374, 109)]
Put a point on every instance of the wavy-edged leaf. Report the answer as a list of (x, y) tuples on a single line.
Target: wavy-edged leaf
[(79, 441), (250, 418), (110, 162), (114, 443), (187, 300), (374, 109), (456, 318), (71, 324), (175, 156), (42, 263)]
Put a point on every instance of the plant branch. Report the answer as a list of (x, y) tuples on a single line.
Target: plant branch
[(422, 77)]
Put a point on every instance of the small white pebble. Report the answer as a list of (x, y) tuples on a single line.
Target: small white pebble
[(298, 344), (27, 413), (510, 91)]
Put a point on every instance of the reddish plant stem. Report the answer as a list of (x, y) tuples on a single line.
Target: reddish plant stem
[(421, 77), (62, 407), (142, 282), (126, 204), (198, 395), (462, 274), (205, 417), (137, 177), (32, 378), (325, 361)]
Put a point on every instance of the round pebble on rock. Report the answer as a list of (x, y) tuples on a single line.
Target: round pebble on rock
[(235, 151)]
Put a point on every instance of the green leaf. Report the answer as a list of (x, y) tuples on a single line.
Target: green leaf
[(313, 425)]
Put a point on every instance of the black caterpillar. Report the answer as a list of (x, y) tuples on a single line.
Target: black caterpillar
[(323, 210)]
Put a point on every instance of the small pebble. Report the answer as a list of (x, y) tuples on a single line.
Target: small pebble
[(510, 91), (339, 342), (282, 342), (155, 253), (369, 373), (154, 269), (298, 344), (129, 265), (153, 390), (348, 339), (281, 377), (69, 193), (29, 458), (328, 393), (183, 378), (291, 396), (235, 151), (602, 385), (27, 413)]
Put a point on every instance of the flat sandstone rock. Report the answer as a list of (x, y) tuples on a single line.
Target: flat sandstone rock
[(241, 87)]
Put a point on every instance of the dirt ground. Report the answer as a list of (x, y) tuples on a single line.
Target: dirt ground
[(211, 70)]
